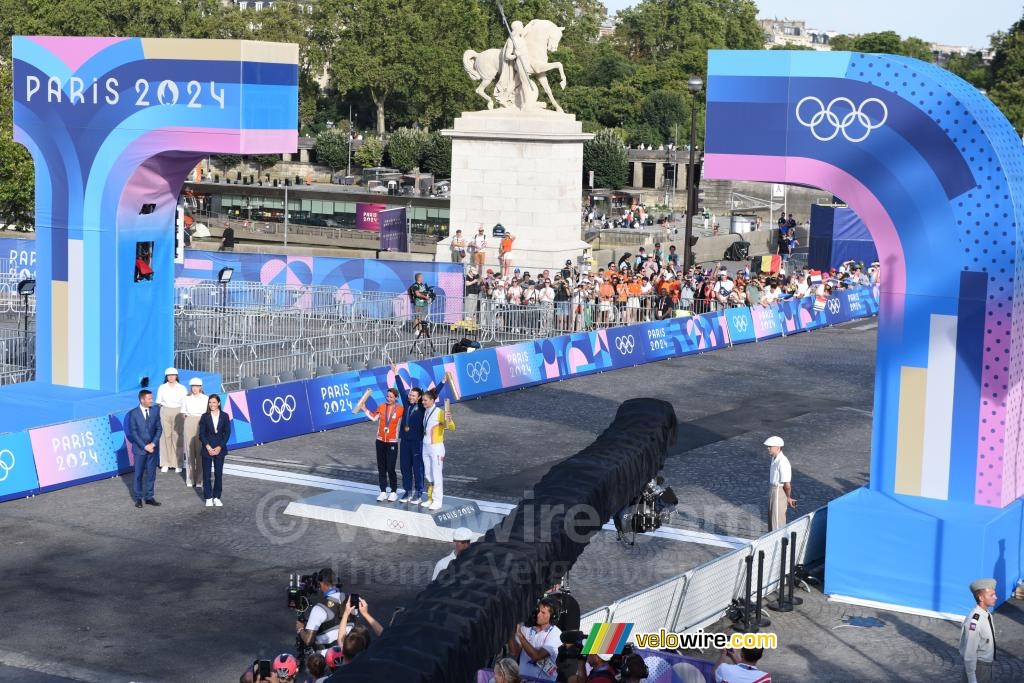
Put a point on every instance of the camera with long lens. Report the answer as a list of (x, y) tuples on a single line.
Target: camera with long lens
[(429, 291), (648, 511)]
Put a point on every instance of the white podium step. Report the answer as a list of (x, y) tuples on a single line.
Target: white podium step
[(360, 509)]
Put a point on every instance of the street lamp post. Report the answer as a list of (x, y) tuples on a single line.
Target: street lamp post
[(694, 85)]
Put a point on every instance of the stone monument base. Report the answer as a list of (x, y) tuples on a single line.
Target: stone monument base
[(524, 170)]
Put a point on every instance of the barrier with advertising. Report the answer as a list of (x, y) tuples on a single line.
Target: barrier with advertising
[(76, 452)]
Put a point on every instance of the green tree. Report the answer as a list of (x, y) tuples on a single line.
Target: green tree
[(17, 172), (643, 134), (841, 43), (1007, 74), (437, 157), (972, 68), (332, 148), (371, 45), (406, 147), (262, 162), (606, 157), (668, 113), (371, 153), (887, 42), (226, 161), (675, 35), (791, 46), (917, 48)]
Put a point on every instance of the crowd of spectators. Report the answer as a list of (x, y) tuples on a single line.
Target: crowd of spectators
[(637, 288)]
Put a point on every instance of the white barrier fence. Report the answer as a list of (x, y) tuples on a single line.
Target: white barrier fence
[(700, 597)]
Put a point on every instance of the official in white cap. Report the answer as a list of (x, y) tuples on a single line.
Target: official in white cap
[(978, 635), (461, 540), (169, 396), (192, 408), (780, 477)]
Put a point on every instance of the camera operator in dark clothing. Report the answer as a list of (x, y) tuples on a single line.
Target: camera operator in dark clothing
[(420, 294), (601, 670)]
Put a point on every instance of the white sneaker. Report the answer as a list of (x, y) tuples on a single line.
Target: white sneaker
[(405, 497), (425, 503), (164, 469), (188, 483), (382, 497), (217, 503), (414, 501), (209, 502), (178, 470), (393, 497), (435, 506)]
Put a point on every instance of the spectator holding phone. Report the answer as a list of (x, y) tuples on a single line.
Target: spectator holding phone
[(356, 606)]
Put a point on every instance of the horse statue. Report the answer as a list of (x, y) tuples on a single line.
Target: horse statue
[(525, 56)]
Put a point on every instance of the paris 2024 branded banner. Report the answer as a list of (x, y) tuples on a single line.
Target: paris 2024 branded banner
[(76, 452)]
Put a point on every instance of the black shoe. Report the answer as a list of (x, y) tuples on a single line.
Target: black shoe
[(153, 502), (138, 503)]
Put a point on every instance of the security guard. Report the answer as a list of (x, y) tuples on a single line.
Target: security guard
[(977, 636)]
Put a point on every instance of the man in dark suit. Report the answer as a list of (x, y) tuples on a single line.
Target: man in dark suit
[(142, 429)]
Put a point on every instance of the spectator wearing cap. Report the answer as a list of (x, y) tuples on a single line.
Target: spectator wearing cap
[(780, 491), (478, 247), (723, 288), (595, 668), (978, 635), (460, 540), (193, 406), (505, 253), (741, 666), (169, 396)]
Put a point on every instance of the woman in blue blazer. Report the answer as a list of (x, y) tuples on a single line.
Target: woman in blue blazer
[(214, 431)]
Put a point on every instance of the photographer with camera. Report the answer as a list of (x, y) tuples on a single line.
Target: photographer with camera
[(420, 294), (600, 666), (536, 646), (320, 629)]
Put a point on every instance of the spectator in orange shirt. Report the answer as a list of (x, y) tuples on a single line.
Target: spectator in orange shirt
[(505, 253), (388, 417), (605, 293), (633, 300)]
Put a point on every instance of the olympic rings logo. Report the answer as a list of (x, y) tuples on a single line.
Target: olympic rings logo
[(395, 524), (849, 115), (833, 306), (740, 323), (6, 463), (279, 409), (625, 344), (479, 371)]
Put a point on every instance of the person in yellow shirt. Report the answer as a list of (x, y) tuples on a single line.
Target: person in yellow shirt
[(435, 421)]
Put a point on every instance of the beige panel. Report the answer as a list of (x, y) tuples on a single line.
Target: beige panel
[(220, 50), (59, 332), (910, 432)]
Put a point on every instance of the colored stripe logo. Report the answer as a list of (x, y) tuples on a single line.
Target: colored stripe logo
[(607, 639)]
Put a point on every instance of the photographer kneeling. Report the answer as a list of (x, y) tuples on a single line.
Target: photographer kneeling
[(536, 647), (320, 631)]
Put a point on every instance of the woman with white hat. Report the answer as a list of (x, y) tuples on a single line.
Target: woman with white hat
[(192, 408), (169, 396)]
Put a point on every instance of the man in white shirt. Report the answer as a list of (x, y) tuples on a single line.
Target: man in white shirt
[(723, 288), (478, 247), (743, 668), (461, 540), (780, 492), (536, 647)]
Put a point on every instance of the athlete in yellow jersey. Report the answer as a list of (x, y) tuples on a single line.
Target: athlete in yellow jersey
[(435, 422)]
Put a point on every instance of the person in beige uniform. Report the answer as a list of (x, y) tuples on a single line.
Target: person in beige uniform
[(192, 408), (169, 396), (978, 636), (780, 491)]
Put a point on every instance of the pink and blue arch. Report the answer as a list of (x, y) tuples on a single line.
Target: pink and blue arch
[(937, 174), (115, 124)]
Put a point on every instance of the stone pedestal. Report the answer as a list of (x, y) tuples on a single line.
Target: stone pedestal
[(525, 171)]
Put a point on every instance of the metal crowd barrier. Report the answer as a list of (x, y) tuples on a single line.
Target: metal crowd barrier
[(699, 597)]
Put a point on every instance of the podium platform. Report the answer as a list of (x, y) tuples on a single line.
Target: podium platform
[(359, 508)]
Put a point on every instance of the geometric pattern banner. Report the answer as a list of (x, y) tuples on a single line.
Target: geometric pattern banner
[(936, 173), (113, 126)]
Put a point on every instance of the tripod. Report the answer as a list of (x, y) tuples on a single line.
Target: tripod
[(421, 333)]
